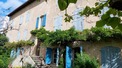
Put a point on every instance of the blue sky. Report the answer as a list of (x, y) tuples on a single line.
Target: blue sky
[(7, 6)]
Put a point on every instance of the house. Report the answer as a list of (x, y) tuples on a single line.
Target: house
[(45, 13)]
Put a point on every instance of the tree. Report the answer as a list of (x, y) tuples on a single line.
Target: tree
[(112, 17), (6, 25)]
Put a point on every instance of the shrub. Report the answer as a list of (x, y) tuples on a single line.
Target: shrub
[(85, 61)]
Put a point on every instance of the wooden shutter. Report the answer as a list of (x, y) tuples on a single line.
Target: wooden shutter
[(58, 23), (78, 20), (12, 55), (27, 16), (68, 57), (48, 57), (18, 36), (57, 58), (21, 20), (37, 22), (18, 52), (43, 21), (25, 34)]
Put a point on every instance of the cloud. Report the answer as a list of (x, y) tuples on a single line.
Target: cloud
[(10, 5)]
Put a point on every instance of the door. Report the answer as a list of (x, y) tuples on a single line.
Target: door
[(111, 57)]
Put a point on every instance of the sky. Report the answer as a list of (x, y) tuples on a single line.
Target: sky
[(7, 6)]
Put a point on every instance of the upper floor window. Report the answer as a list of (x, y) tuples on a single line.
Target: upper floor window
[(25, 34), (12, 24), (78, 20), (18, 36), (58, 23), (37, 22), (41, 21), (21, 20), (27, 16)]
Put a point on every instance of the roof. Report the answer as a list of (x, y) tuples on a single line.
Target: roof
[(21, 7)]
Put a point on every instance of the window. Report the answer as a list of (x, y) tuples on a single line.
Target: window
[(54, 55), (76, 51), (21, 20), (18, 36), (12, 24), (78, 20), (58, 23), (27, 16), (43, 20), (25, 34)]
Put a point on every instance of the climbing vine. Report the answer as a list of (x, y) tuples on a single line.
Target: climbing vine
[(64, 37), (21, 43)]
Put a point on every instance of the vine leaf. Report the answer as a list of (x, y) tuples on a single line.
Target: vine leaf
[(105, 16), (114, 22), (72, 1), (62, 4), (100, 23), (120, 26)]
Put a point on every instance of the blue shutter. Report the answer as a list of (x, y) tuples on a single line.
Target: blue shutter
[(78, 20), (21, 20), (25, 34), (18, 52), (12, 54), (22, 51), (27, 16), (37, 22), (18, 36), (44, 20), (48, 58), (68, 57), (57, 58), (58, 23), (81, 49)]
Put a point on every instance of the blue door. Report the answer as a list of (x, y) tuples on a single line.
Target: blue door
[(111, 57)]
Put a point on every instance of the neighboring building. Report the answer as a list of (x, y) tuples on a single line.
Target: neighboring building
[(45, 13)]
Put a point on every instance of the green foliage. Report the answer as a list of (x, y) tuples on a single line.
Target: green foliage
[(1, 64), (85, 61), (21, 43), (59, 37), (3, 39), (61, 65), (106, 18), (28, 65), (63, 4), (4, 57), (64, 37)]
